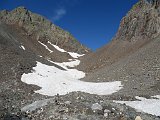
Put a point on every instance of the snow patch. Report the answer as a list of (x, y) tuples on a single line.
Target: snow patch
[(73, 54), (64, 65), (22, 47), (55, 81), (156, 96), (40, 56), (58, 48), (150, 106), (46, 47)]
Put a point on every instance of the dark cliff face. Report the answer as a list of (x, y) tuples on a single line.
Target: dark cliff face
[(41, 29)]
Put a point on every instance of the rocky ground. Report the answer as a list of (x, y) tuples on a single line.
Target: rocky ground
[(139, 27), (139, 72), (78, 106), (132, 58)]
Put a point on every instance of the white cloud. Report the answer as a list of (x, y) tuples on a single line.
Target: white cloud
[(61, 8), (59, 13)]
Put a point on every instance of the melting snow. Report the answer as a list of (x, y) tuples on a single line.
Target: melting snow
[(40, 56), (64, 65), (156, 96), (150, 106), (74, 55), (58, 48), (46, 47), (23, 47), (55, 81)]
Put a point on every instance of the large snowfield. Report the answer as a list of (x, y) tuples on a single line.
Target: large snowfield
[(53, 81), (56, 81)]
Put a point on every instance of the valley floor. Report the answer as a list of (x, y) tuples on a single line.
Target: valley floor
[(34, 87)]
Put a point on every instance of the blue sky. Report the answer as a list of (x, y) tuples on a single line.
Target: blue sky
[(93, 22)]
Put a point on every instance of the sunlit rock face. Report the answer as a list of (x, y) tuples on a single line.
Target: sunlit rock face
[(41, 29), (140, 25), (142, 21)]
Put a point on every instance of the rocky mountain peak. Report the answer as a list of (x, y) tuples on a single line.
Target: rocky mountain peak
[(139, 27), (142, 21), (41, 29), (20, 9)]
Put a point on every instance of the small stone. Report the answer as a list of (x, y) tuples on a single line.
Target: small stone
[(120, 113), (64, 110), (67, 110), (107, 111), (65, 118), (113, 109), (68, 102), (24, 118), (96, 106), (101, 101), (105, 115), (138, 118), (156, 118)]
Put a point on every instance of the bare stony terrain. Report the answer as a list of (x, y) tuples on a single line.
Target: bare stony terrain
[(139, 72), (137, 28), (132, 57)]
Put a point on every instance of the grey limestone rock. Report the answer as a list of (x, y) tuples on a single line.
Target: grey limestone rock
[(41, 29)]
